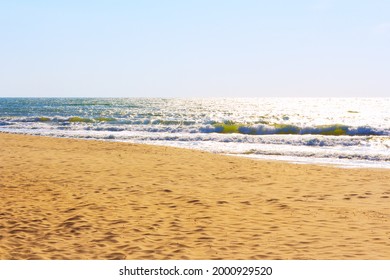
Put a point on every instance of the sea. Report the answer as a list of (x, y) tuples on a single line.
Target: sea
[(345, 132)]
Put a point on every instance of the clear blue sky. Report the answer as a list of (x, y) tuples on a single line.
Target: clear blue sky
[(119, 48)]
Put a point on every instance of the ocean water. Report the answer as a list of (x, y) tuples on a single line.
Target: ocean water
[(348, 132)]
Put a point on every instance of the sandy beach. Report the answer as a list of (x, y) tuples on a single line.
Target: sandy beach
[(81, 199)]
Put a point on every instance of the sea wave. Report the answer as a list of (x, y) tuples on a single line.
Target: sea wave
[(190, 126), (267, 129), (126, 133)]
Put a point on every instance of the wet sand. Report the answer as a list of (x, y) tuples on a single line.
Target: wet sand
[(81, 199)]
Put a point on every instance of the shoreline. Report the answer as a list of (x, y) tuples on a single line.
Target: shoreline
[(298, 160), (65, 198)]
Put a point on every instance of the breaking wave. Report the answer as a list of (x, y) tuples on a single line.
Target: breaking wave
[(175, 126)]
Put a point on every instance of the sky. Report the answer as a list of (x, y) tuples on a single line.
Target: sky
[(195, 48)]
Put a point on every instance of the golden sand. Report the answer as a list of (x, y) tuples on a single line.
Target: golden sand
[(78, 199)]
